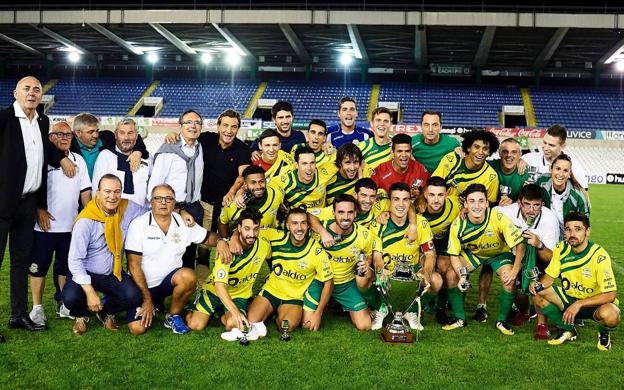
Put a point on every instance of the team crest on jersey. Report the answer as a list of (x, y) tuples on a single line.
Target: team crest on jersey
[(587, 273), (303, 264), (489, 233), (255, 260), (355, 251), (601, 258), (176, 238), (317, 251)]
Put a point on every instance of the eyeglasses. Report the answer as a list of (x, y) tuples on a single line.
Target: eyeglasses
[(163, 199), (63, 135), (189, 123)]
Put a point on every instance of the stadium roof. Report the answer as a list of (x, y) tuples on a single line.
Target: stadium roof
[(279, 37)]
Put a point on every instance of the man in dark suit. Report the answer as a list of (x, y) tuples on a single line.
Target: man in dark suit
[(23, 179)]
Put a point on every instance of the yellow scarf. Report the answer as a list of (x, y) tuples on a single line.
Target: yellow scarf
[(112, 229)]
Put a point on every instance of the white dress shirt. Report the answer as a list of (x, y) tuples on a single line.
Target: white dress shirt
[(171, 169), (537, 160), (107, 163), (33, 147)]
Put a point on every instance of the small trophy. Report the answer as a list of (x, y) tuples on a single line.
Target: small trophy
[(243, 340), (533, 274), (464, 274), (505, 190), (417, 183), (533, 173), (361, 261), (285, 336)]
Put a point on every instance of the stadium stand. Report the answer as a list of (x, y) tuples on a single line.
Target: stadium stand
[(210, 97), (579, 108), (319, 99), (461, 105), (99, 96), (597, 157)]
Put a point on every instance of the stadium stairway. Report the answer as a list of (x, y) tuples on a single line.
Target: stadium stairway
[(528, 107), (253, 103), (148, 92), (374, 100)]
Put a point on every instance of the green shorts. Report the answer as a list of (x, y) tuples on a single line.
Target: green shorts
[(277, 302), (586, 313), (346, 294), (506, 258), (441, 246), (209, 303)]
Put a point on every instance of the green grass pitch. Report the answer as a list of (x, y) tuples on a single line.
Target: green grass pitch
[(335, 357)]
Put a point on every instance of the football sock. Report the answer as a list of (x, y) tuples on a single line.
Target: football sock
[(457, 303), (505, 300), (553, 313)]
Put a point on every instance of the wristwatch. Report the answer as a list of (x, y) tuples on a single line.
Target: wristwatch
[(541, 246), (225, 239)]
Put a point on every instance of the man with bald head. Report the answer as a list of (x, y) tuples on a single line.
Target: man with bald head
[(23, 179), (54, 225)]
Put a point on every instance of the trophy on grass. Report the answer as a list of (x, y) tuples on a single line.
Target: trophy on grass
[(403, 290), (243, 340), (285, 336), (533, 274)]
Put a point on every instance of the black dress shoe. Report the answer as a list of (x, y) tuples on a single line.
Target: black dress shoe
[(25, 322)]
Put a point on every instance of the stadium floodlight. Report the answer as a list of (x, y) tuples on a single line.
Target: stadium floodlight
[(346, 59), (73, 57), (619, 66), (233, 58), (152, 58), (206, 58)]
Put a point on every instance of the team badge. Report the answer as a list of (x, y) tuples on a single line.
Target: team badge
[(303, 264), (489, 233), (176, 238), (256, 260), (587, 273), (601, 258)]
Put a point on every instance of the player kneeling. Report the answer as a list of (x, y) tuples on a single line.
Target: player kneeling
[(229, 288), (485, 236), (296, 260), (587, 290)]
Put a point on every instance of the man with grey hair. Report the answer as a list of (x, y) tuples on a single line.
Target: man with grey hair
[(54, 225), (23, 179), (115, 161), (89, 141)]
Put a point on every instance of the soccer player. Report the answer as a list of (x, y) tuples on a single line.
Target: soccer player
[(273, 160), (552, 147), (377, 149), (563, 193), (460, 172), (398, 249), (351, 242), (316, 136), (259, 196), (367, 207), (587, 290), (296, 260), (485, 236), (229, 288), (282, 114), (429, 147), (440, 211), (344, 172), (510, 180), (401, 167), (347, 131), (540, 229), (305, 186)]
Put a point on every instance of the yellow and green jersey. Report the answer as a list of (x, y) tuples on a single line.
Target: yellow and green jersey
[(374, 154), (394, 244), (268, 206), (344, 255), (283, 164), (241, 273), (321, 157), (363, 219), (584, 274), (494, 236), (440, 223), (294, 268), (296, 193), (453, 169)]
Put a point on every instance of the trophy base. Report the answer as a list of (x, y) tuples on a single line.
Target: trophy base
[(396, 338)]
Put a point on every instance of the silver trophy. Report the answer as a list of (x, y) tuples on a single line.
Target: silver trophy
[(285, 336), (533, 174), (417, 183), (243, 340), (465, 274), (533, 275), (403, 290), (505, 190), (360, 263)]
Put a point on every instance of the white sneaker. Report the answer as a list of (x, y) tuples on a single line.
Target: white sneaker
[(378, 317), (413, 321), (37, 315), (232, 335), (259, 328), (63, 311)]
